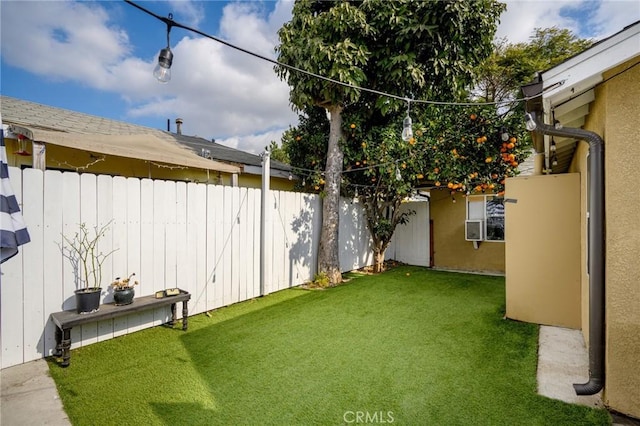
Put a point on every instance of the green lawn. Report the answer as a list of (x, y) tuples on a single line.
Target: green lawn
[(409, 347)]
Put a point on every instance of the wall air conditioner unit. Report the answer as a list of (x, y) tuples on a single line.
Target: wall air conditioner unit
[(474, 230)]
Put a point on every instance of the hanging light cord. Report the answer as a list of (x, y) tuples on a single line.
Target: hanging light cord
[(171, 23)]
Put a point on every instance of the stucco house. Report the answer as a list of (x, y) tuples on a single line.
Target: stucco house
[(47, 137), (573, 236)]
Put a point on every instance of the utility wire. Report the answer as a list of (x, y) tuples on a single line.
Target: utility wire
[(171, 23)]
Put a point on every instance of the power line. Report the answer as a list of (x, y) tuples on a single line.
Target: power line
[(171, 23)]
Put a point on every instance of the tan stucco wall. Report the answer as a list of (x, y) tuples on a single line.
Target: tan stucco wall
[(579, 165), (615, 116), (450, 249), (543, 260)]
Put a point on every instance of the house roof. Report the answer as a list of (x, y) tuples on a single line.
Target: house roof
[(568, 88), (83, 131)]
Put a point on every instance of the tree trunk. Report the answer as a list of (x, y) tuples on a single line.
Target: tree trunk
[(378, 257), (328, 254)]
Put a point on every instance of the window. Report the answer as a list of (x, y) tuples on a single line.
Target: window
[(490, 210)]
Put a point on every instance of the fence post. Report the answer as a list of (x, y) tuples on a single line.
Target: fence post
[(265, 219)]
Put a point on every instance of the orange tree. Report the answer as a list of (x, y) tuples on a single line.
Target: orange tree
[(424, 48), (466, 149)]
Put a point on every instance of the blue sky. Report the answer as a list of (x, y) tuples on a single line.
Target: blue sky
[(98, 57)]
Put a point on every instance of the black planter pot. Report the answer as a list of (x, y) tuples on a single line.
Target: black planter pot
[(123, 296), (88, 300)]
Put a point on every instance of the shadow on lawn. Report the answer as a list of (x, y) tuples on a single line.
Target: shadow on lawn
[(179, 413)]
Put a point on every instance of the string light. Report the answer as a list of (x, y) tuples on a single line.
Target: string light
[(553, 147), (321, 77), (164, 166), (78, 168), (162, 71), (504, 135), (407, 131)]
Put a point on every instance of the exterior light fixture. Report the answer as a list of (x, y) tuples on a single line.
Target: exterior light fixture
[(554, 160), (553, 146), (407, 131), (162, 71)]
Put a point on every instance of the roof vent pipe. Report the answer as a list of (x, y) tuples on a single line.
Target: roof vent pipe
[(596, 247), (179, 126)]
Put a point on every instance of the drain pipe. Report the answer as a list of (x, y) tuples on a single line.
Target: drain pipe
[(596, 248)]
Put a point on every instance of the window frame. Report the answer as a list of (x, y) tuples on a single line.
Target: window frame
[(473, 214)]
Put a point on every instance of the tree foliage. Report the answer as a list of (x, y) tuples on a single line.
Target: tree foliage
[(512, 65), (426, 49)]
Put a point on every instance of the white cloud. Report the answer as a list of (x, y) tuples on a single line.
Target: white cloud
[(520, 19), (613, 15), (585, 18), (220, 92), (253, 143), (79, 44)]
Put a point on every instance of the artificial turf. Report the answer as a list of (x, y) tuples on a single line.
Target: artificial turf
[(410, 346)]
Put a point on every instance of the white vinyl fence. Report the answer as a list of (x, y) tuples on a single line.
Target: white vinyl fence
[(201, 238)]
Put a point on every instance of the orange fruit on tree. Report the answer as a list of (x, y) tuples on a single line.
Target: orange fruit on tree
[(513, 139), (510, 145), (437, 183), (353, 126), (450, 185), (488, 160), (473, 116), (364, 144), (420, 176)]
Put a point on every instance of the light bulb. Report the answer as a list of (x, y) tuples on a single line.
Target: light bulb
[(530, 123), (407, 131), (554, 160), (553, 147), (504, 135), (162, 71), (398, 174)]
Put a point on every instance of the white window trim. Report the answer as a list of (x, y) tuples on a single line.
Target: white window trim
[(484, 198)]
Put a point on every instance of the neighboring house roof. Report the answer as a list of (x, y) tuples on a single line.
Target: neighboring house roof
[(251, 163), (77, 130), (568, 88)]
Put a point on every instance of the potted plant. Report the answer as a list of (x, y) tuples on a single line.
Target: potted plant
[(123, 290), (82, 250)]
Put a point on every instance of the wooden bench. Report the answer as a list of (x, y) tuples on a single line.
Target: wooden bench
[(66, 320)]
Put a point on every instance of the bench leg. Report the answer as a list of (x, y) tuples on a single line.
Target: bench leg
[(172, 321), (64, 345), (185, 314)]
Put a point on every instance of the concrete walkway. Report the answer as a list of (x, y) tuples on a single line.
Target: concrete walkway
[(29, 396), (562, 361)]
